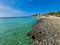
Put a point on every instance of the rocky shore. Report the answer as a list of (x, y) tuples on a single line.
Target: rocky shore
[(46, 32)]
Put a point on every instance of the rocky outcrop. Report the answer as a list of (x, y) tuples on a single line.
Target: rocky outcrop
[(46, 32)]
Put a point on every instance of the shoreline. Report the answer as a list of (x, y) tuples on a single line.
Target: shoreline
[(47, 17), (46, 28)]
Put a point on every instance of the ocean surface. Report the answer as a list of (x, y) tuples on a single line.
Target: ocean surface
[(13, 31)]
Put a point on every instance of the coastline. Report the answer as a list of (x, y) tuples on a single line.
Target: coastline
[(47, 17), (46, 28)]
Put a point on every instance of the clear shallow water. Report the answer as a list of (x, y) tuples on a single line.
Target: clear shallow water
[(13, 30)]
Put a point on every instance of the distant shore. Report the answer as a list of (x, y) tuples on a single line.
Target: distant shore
[(48, 17), (44, 16)]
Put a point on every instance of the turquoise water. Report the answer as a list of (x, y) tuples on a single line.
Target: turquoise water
[(13, 30)]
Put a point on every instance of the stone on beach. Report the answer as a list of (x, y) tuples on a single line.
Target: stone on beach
[(46, 32)]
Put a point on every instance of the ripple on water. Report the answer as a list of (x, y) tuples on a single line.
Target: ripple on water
[(13, 31)]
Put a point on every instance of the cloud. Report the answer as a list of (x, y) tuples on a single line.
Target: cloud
[(13, 2), (6, 11)]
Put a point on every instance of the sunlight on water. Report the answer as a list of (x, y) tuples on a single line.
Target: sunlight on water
[(13, 30)]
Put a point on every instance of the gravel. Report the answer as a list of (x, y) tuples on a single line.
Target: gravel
[(46, 32)]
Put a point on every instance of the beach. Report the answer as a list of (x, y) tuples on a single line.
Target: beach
[(46, 31)]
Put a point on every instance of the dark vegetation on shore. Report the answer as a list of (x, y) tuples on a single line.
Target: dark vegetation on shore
[(50, 13)]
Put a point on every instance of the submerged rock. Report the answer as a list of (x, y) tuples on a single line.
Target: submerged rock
[(46, 32)]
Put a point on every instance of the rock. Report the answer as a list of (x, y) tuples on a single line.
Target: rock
[(46, 32)]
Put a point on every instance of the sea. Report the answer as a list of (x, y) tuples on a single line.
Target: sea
[(13, 30)]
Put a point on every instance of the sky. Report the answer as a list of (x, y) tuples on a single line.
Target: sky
[(17, 8)]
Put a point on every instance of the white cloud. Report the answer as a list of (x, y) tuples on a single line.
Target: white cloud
[(6, 11)]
